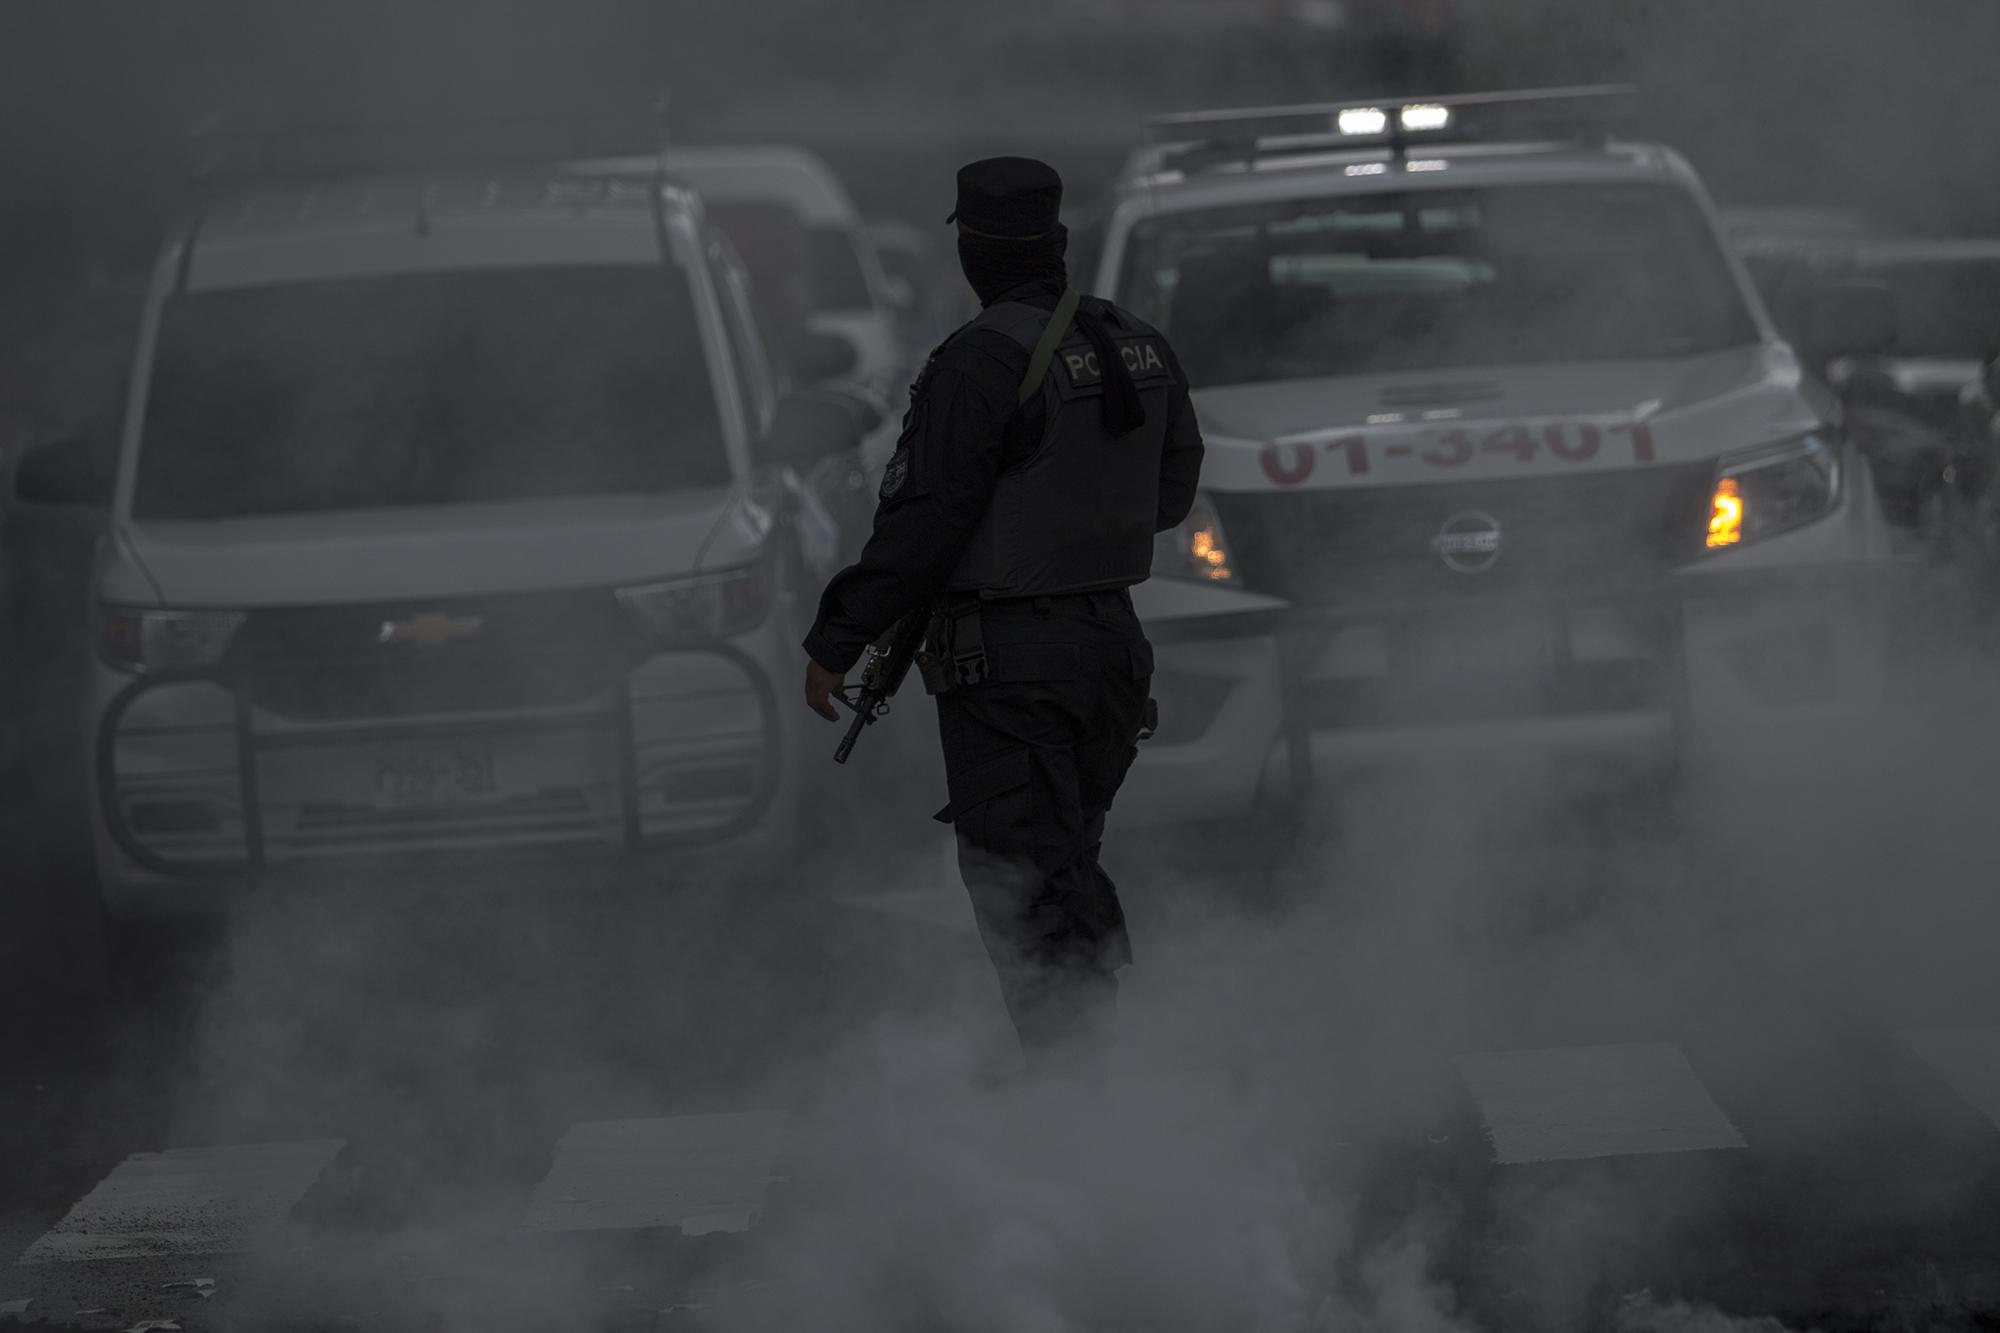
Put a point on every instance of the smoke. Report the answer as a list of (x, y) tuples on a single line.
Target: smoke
[(1181, 1192), (1643, 1314), (1281, 1143)]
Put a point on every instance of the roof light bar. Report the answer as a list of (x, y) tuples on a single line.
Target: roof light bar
[(1246, 133)]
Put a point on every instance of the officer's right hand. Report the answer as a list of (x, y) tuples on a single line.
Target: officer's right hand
[(821, 686)]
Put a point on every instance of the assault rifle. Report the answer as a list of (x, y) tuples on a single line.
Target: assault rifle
[(882, 672)]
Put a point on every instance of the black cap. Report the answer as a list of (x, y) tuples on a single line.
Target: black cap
[(1008, 198)]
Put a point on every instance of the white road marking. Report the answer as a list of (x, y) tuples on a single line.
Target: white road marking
[(1594, 1101), (700, 1173), (187, 1201), (1968, 1059)]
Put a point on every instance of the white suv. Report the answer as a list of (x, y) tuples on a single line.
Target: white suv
[(452, 515), (1503, 451)]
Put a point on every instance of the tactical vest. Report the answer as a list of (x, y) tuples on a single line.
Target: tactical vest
[(1076, 513)]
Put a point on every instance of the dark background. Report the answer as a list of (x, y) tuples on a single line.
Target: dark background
[(102, 102), (1837, 99)]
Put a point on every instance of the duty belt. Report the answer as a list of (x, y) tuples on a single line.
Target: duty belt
[(955, 651)]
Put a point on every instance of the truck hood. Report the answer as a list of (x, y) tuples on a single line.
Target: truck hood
[(1503, 422), (448, 551)]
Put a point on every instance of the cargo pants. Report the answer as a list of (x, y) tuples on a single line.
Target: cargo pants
[(1034, 755)]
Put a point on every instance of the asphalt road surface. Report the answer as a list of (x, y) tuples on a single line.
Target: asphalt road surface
[(1540, 1076)]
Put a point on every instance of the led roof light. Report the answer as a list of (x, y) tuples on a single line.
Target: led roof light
[(1233, 138), (1363, 120), (1423, 117)]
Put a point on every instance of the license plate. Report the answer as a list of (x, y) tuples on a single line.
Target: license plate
[(1479, 653), (436, 774)]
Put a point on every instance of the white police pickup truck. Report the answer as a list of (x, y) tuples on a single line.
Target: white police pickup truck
[(455, 519), (1503, 451)]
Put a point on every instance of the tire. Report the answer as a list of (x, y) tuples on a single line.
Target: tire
[(54, 916)]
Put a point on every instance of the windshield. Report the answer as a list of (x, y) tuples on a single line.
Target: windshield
[(1429, 280), (838, 282), (428, 389)]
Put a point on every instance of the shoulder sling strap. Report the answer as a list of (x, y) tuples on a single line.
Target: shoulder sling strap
[(1045, 350)]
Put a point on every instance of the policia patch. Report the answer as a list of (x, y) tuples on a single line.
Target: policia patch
[(1080, 374)]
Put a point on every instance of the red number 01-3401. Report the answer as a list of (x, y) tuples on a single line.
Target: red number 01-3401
[(1293, 462)]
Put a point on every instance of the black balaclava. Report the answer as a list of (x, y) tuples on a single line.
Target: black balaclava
[(997, 265)]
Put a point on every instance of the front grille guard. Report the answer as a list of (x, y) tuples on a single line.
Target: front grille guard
[(614, 717), (1299, 632)]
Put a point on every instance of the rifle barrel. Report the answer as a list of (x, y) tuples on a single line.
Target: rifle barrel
[(861, 719)]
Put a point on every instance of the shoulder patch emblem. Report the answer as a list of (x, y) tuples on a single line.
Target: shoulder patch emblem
[(894, 475)]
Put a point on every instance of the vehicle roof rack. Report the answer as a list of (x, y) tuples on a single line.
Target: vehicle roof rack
[(1197, 140), (298, 153)]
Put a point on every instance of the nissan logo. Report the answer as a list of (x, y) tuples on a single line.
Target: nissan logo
[(1469, 543)]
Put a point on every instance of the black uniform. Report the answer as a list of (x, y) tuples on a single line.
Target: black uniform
[(1030, 510)]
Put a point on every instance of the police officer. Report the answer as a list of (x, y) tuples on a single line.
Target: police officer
[(1046, 442)]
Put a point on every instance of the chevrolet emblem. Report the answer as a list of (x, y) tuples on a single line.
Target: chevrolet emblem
[(430, 629)]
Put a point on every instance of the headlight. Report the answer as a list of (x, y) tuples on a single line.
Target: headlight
[(1197, 549), (131, 639), (707, 605), (1769, 491)]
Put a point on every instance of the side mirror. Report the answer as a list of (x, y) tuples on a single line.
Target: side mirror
[(62, 473), (1855, 319), (822, 356), (815, 425)]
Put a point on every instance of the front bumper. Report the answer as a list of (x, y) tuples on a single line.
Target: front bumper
[(200, 789), (1262, 703)]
